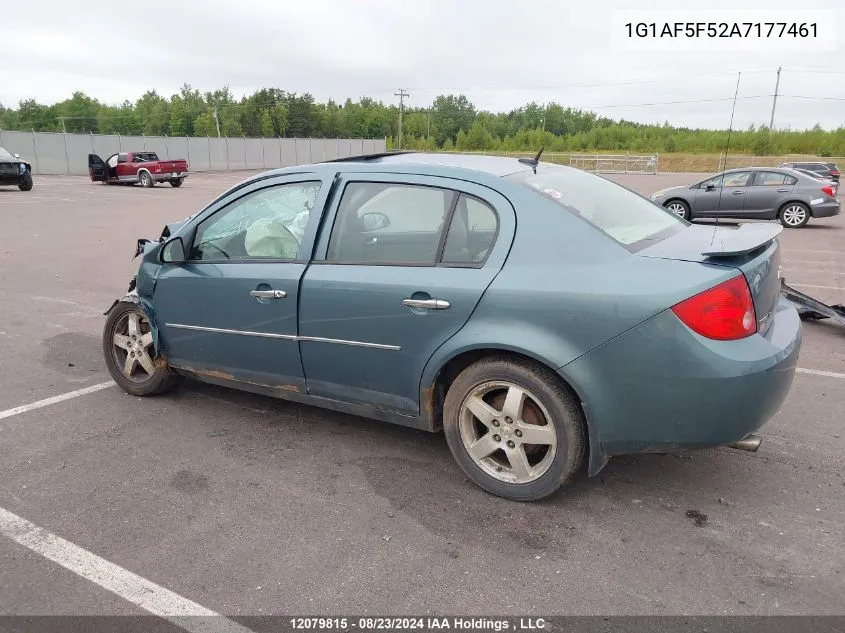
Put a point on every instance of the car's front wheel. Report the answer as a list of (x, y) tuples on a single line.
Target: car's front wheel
[(26, 183), (130, 354), (513, 428), (679, 208), (794, 215)]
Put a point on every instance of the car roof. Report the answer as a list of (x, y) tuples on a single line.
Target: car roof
[(498, 166)]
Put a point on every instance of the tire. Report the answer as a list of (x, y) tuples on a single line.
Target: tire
[(140, 381), (679, 208), (146, 179), (26, 185), (487, 383), (176, 182), (794, 215)]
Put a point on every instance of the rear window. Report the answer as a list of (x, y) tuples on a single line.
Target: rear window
[(630, 219), (144, 157)]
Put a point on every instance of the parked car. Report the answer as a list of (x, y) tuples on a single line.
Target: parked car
[(137, 167), (540, 315), (825, 169), (828, 180), (14, 170), (753, 193)]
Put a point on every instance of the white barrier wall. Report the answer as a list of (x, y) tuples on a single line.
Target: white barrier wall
[(58, 153)]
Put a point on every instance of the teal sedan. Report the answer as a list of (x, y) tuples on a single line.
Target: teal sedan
[(544, 318)]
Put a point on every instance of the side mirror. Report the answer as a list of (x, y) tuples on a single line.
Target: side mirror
[(17, 155), (710, 187), (375, 220), (173, 252)]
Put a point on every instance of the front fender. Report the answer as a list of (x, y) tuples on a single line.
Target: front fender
[(132, 296)]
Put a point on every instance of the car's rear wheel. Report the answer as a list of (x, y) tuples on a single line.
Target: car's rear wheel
[(26, 183), (130, 354), (176, 182), (513, 428), (794, 215), (679, 208), (145, 179)]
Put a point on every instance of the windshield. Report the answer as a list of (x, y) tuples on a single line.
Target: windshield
[(628, 218), (4, 153)]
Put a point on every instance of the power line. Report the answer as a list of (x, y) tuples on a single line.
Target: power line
[(596, 85)]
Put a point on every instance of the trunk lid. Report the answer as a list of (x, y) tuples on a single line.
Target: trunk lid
[(751, 248)]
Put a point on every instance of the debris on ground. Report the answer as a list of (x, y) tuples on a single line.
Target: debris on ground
[(699, 518)]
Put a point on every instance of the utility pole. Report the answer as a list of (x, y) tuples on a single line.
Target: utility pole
[(217, 121), (62, 119), (401, 94), (775, 101)]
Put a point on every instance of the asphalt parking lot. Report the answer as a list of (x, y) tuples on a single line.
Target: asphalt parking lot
[(251, 506)]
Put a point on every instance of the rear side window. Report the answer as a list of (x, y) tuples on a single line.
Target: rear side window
[(774, 179), (389, 223), (410, 225), (630, 219)]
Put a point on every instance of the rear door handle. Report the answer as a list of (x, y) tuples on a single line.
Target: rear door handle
[(738, 193), (268, 294), (784, 190), (429, 304)]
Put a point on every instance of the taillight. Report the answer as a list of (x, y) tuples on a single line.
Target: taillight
[(828, 190), (835, 172), (725, 312)]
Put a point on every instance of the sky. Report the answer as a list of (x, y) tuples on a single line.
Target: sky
[(500, 53)]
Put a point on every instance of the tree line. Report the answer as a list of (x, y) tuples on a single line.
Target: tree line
[(451, 122)]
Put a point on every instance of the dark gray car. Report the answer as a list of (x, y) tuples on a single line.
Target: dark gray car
[(753, 193)]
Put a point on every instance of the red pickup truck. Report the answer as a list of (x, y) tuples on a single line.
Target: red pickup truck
[(132, 167)]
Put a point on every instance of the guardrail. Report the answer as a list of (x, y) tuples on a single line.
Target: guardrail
[(616, 163)]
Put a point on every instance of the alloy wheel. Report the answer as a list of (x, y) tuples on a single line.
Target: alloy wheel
[(678, 209), (794, 215), (507, 432), (131, 341)]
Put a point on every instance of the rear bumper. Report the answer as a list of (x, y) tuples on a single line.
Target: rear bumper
[(164, 176), (825, 209), (662, 387)]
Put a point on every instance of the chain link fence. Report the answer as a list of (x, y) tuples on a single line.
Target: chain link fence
[(57, 153)]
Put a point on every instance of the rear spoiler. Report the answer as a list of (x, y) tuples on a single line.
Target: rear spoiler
[(809, 308), (745, 239)]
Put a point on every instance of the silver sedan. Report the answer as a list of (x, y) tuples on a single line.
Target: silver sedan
[(753, 193)]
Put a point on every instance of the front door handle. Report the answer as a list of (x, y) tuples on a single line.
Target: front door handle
[(738, 193), (268, 294), (428, 304), (784, 190)]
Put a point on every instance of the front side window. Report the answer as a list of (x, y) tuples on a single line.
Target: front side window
[(619, 213), (113, 160), (265, 224), (389, 223)]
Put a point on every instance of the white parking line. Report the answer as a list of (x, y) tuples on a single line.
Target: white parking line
[(812, 286), (819, 372), (129, 586), (60, 398)]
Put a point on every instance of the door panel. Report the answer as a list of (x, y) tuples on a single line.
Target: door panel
[(766, 194), (724, 200), (232, 308), (96, 168), (365, 338), (210, 321)]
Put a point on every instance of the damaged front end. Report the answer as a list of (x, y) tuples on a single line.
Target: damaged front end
[(141, 286), (812, 309)]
